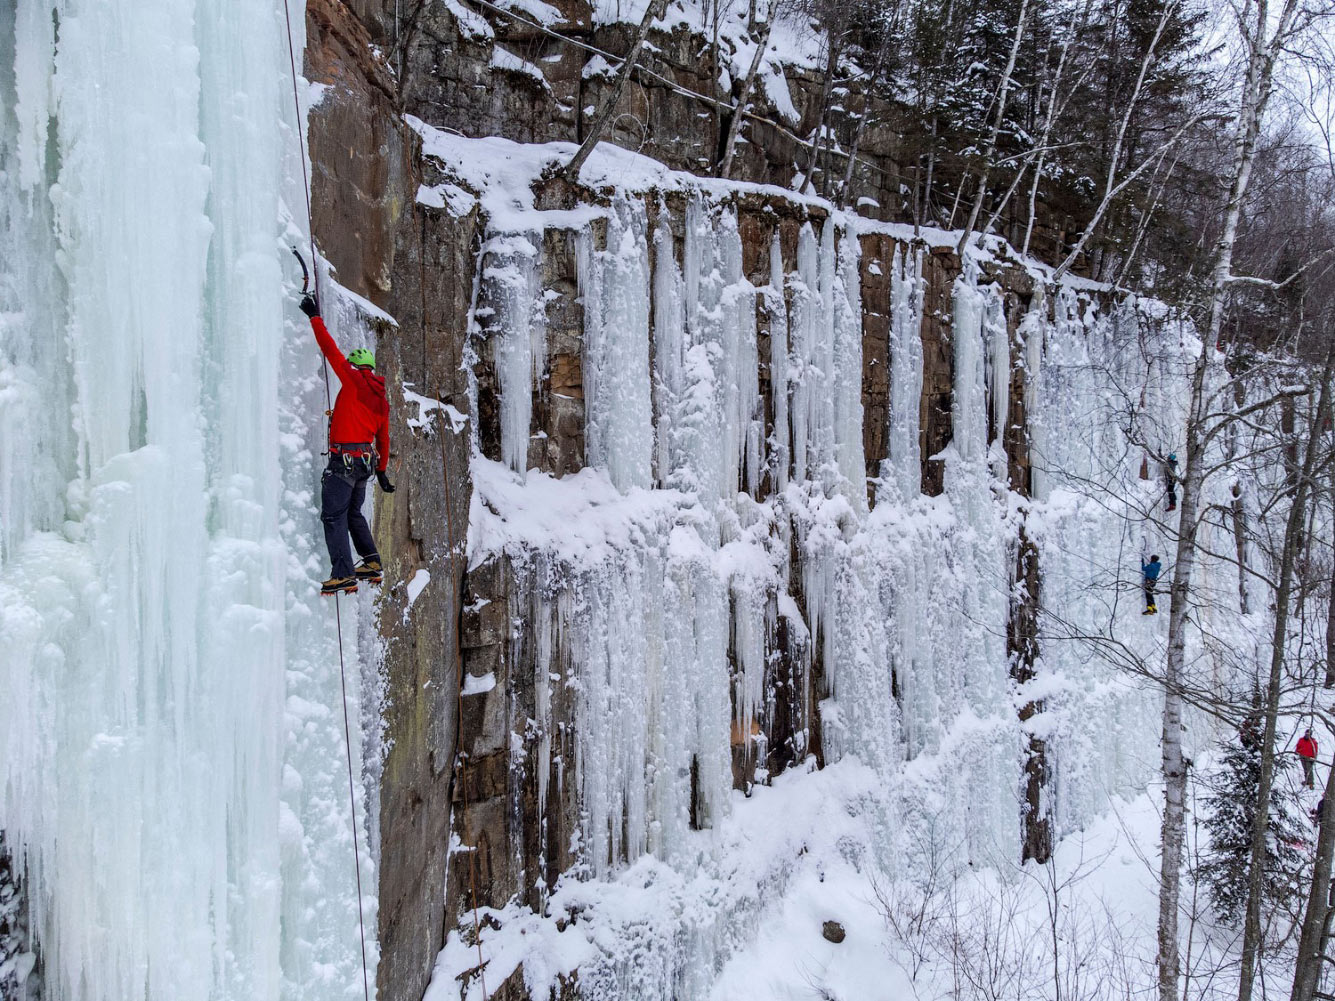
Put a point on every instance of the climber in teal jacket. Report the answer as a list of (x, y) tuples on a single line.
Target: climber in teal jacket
[(1150, 571)]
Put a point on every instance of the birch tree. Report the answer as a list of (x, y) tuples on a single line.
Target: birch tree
[(1265, 33)]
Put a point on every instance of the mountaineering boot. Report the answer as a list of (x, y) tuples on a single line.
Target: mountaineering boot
[(369, 571), (334, 585), (1172, 507)]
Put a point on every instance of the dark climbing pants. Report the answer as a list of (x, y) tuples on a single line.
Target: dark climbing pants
[(342, 492), (1149, 592), (1309, 779)]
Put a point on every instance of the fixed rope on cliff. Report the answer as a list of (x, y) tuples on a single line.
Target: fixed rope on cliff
[(306, 290)]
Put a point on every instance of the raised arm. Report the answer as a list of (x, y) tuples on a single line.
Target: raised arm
[(342, 366)]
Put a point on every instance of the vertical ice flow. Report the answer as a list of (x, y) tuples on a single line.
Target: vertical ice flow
[(906, 299), (777, 310), (171, 751), (614, 285), (514, 315)]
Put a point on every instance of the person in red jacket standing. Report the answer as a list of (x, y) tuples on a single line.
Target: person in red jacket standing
[(1307, 755), (358, 443)]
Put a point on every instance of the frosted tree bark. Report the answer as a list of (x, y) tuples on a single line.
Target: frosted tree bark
[(610, 103)]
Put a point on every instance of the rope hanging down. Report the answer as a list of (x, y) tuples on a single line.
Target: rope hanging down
[(338, 611)]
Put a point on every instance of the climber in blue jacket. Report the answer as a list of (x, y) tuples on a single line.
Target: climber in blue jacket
[(1150, 571)]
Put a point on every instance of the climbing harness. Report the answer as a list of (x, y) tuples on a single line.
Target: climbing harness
[(338, 611)]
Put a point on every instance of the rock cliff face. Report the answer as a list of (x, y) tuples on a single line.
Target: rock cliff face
[(468, 768)]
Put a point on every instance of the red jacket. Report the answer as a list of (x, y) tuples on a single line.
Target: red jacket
[(1306, 747), (361, 411)]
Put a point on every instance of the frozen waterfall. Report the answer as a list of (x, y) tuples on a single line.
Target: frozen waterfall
[(171, 749)]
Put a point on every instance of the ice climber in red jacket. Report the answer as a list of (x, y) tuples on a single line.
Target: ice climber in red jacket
[(358, 443), (1307, 755)]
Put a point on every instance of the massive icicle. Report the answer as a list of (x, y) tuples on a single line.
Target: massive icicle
[(170, 749)]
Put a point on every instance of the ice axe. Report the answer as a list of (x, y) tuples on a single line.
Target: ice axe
[(305, 272)]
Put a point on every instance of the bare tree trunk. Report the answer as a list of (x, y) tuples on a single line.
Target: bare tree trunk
[(1293, 533), (1145, 222), (861, 126), (1263, 49), (1005, 199), (1330, 614), (1048, 121), (1256, 93), (739, 112), (571, 169), (1173, 826), (827, 90), (1110, 189), (931, 170), (1316, 919)]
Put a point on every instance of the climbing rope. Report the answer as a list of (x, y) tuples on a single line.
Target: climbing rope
[(338, 610)]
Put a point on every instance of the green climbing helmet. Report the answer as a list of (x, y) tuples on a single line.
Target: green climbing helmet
[(362, 356)]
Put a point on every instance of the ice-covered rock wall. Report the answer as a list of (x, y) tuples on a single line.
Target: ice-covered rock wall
[(843, 502), (171, 748)]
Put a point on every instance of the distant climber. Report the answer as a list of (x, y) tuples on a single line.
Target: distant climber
[(358, 437), (1170, 479), (1150, 571), (1307, 755)]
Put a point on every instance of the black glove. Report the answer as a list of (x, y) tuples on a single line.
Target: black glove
[(382, 478), (309, 306)]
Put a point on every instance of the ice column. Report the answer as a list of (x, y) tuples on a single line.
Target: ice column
[(719, 405), (998, 374), (614, 284), (779, 365), (846, 320), (647, 628), (906, 300), (1033, 329), (743, 420), (170, 753), (669, 353), (705, 453), (810, 391), (515, 316), (968, 409)]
